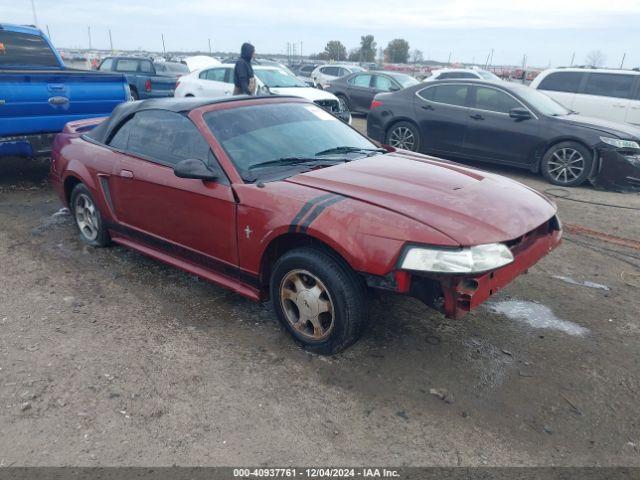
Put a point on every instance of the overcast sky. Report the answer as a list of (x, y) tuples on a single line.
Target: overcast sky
[(547, 31)]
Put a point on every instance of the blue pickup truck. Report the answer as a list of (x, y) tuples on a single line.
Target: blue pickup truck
[(39, 95), (143, 78)]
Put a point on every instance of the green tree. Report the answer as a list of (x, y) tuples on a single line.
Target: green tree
[(397, 51), (417, 56), (354, 55), (335, 50), (368, 48)]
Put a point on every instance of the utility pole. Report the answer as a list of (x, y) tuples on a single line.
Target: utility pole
[(623, 57), (164, 50), (48, 32), (89, 32), (300, 51), (573, 57), (449, 60), (110, 41), (209, 46), (35, 15)]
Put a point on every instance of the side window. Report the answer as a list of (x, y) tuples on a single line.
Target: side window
[(107, 64), (215, 74), (121, 139), (362, 80), (343, 71), (160, 67), (427, 93), (562, 82), (146, 66), (166, 137), (495, 100), (332, 71), (383, 83), (609, 85), (448, 94), (229, 75), (127, 65)]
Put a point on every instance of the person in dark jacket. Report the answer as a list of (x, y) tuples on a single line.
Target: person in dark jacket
[(243, 79)]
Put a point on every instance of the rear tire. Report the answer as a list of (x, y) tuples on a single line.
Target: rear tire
[(567, 164), (88, 217), (404, 135), (319, 299), (134, 93)]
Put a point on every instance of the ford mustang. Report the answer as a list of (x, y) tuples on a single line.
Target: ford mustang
[(275, 198)]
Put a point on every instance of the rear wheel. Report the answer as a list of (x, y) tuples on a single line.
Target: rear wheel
[(567, 164), (134, 93), (404, 135), (88, 218), (318, 299)]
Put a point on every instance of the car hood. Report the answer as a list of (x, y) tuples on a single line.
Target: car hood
[(309, 93), (618, 129), (469, 206)]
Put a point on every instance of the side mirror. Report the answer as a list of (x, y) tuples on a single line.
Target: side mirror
[(520, 113), (192, 168), (394, 88)]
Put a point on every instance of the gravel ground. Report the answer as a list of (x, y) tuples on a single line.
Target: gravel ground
[(108, 358)]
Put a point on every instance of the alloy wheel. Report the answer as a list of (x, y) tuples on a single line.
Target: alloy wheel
[(86, 216), (307, 305), (566, 165), (402, 137)]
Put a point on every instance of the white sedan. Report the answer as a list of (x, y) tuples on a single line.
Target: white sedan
[(217, 81)]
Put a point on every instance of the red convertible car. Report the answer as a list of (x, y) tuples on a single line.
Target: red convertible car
[(276, 198)]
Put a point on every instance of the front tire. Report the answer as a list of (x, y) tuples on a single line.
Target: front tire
[(404, 135), (345, 102), (567, 164), (88, 217), (319, 299)]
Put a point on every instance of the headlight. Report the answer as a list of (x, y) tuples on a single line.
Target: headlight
[(616, 142), (466, 260)]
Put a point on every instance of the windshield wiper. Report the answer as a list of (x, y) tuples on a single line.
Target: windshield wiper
[(345, 149), (290, 161)]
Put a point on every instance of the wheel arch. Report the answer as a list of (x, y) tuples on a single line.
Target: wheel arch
[(287, 241), (397, 120), (69, 184)]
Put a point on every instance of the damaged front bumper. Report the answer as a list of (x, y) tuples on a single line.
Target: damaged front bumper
[(456, 295), (617, 170)]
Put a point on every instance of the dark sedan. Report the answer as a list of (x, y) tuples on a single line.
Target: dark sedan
[(509, 124), (356, 91)]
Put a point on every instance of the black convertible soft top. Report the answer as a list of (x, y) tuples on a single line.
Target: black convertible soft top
[(105, 130)]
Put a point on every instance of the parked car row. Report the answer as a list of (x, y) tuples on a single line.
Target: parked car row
[(509, 124), (270, 80)]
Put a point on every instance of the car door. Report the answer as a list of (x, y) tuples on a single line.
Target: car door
[(493, 135), (562, 87), (443, 117), (360, 92), (212, 83), (183, 216), (605, 95)]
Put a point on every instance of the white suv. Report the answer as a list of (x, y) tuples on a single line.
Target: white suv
[(609, 94), (322, 75)]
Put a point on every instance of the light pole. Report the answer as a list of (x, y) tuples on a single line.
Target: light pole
[(35, 15)]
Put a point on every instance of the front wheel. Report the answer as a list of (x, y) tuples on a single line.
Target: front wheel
[(404, 135), (567, 164), (318, 299)]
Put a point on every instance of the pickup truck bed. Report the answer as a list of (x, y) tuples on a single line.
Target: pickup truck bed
[(36, 102)]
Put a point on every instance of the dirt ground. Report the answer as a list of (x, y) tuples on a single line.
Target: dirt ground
[(110, 358)]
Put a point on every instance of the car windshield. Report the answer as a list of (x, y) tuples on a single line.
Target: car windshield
[(488, 75), (544, 104), (258, 134), (405, 80), (277, 78)]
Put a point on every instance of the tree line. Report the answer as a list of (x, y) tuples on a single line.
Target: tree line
[(397, 51)]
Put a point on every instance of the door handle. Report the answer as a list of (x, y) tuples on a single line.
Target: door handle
[(427, 107), (477, 116), (126, 173)]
